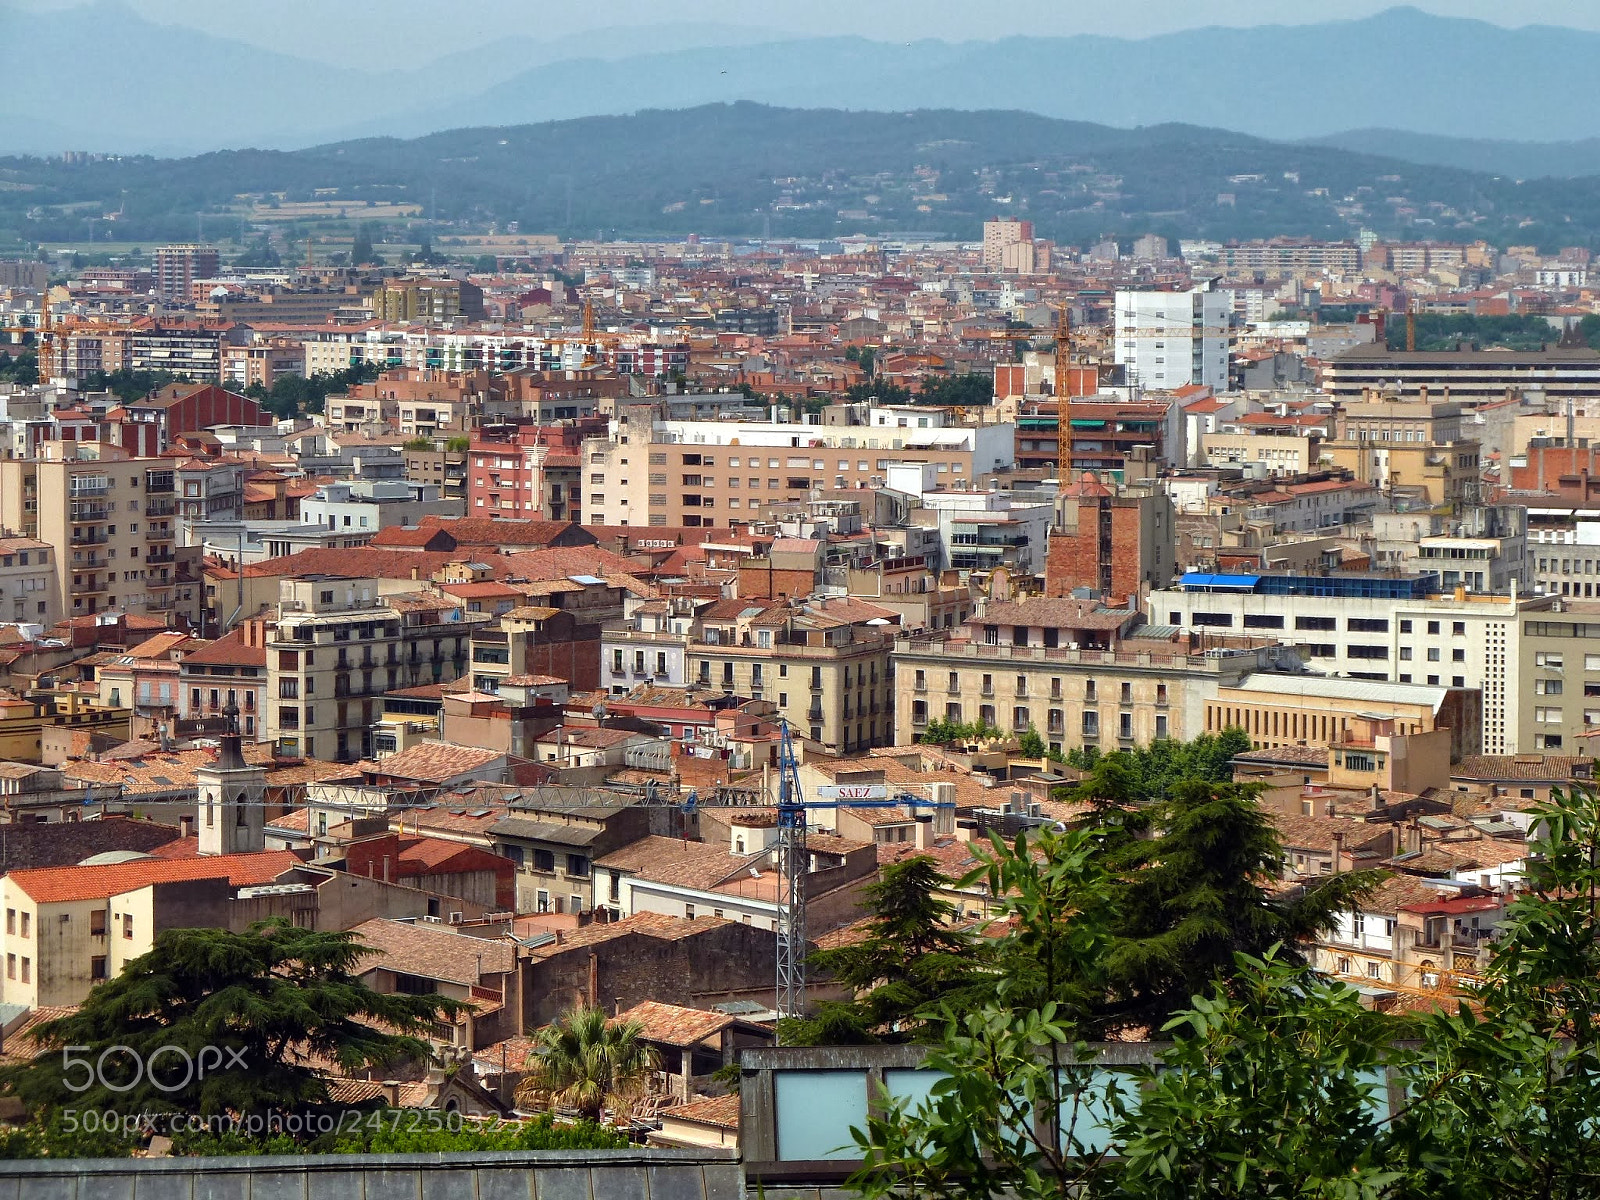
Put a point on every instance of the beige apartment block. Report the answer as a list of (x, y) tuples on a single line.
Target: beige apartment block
[(108, 520), (339, 646), (829, 675), (651, 472), (1064, 669)]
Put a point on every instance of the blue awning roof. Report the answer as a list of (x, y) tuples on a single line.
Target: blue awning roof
[(1231, 583)]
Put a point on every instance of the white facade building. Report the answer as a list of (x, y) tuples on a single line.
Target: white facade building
[(1170, 340)]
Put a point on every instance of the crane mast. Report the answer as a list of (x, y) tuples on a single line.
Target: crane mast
[(792, 865), (1063, 397)]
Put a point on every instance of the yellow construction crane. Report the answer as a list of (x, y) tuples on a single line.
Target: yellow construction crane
[(1063, 400)]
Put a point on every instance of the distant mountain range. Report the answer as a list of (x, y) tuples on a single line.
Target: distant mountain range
[(102, 78), (748, 169)]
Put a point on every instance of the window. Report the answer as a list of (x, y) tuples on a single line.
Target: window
[(1367, 624), (27, 921), (1433, 654), (1458, 629), (1550, 660), (1217, 620), (544, 860), (27, 970), (1405, 626), (127, 925), (1433, 627), (1368, 651), (1316, 623), (577, 866), (1262, 621), (1547, 687), (1091, 724)]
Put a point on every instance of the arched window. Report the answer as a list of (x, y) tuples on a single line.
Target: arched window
[(240, 803)]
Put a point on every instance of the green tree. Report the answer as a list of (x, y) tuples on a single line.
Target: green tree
[(1198, 893), (1005, 1060), (22, 368), (361, 249), (910, 958), (251, 1008), (1507, 1095), (1030, 744), (1273, 1087), (968, 389), (587, 1062)]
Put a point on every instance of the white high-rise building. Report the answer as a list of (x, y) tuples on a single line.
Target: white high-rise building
[(1172, 339)]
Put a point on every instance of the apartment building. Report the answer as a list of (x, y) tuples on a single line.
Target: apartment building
[(522, 469), (698, 473), (1283, 256), (107, 518), (177, 268), (823, 662), (68, 928), (1073, 670), (368, 505), (1173, 339), (426, 300), (338, 647), (1374, 627), (30, 589), (999, 235), (1467, 377), (230, 672)]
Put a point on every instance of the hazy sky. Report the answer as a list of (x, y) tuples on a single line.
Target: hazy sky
[(415, 31)]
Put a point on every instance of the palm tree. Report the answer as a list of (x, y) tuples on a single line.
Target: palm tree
[(587, 1062)]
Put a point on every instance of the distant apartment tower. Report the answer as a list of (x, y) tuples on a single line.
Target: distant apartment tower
[(177, 267), (1169, 340), (1152, 247), (1000, 233)]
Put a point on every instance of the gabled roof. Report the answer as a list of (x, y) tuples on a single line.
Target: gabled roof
[(54, 885)]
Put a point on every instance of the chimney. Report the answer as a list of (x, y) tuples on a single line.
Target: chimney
[(391, 1092), (924, 837), (186, 825), (1376, 801), (1338, 851)]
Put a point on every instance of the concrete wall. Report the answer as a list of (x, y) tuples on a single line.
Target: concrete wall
[(502, 1175)]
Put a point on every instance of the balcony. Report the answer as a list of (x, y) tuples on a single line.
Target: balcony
[(90, 487), (158, 559), (84, 513), (89, 537)]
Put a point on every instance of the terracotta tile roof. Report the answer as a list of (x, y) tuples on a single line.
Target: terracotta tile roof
[(562, 562), (672, 1025), (1551, 768), (20, 1044), (229, 650), (54, 885), (721, 1112), (680, 863), (431, 762), (356, 562), (1306, 756), (647, 924), (433, 951), (1059, 613)]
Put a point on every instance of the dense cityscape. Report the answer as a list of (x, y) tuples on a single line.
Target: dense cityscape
[(952, 712)]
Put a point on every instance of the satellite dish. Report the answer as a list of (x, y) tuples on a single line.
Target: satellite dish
[(598, 712)]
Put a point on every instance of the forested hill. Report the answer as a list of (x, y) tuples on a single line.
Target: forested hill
[(745, 169)]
